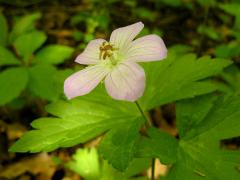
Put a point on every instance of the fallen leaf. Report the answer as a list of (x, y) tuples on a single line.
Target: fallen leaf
[(40, 164)]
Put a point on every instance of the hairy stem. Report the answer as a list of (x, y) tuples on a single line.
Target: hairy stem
[(149, 124)]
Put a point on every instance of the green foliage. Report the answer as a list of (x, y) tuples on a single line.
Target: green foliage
[(135, 167), (88, 116), (13, 82), (3, 30), (229, 50), (144, 13), (23, 25), (7, 57), (233, 9), (93, 20), (86, 163), (45, 81), (76, 121), (232, 75), (27, 44), (199, 154), (192, 111), (158, 144), (209, 32), (179, 77), (42, 82), (203, 118), (118, 146), (53, 54), (180, 49)]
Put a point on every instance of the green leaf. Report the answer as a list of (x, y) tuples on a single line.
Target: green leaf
[(192, 111), (145, 13), (181, 49), (209, 31), (7, 57), (24, 25), (118, 146), (13, 82), (199, 155), (178, 78), (46, 81), (86, 163), (233, 9), (58, 79), (3, 30), (53, 54), (136, 167), (223, 117), (232, 75), (160, 145), (27, 44), (229, 50), (76, 121)]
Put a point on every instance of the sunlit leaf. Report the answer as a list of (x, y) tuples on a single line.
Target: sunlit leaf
[(86, 163), (75, 122), (53, 54)]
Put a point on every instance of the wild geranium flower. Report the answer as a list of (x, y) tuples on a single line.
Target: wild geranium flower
[(115, 62)]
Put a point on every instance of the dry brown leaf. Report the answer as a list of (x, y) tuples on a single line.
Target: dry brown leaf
[(40, 164), (14, 131)]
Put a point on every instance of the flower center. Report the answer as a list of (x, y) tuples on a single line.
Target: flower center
[(106, 50), (109, 54)]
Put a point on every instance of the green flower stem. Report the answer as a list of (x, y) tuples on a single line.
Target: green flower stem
[(149, 123)]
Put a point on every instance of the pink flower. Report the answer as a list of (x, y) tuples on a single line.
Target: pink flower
[(115, 62)]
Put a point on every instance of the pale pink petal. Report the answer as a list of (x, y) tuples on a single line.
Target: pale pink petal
[(121, 37), (126, 82), (84, 81), (147, 48), (91, 53)]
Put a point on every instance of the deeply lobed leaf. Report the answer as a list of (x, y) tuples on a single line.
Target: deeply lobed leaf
[(77, 121), (119, 145), (179, 78), (199, 155)]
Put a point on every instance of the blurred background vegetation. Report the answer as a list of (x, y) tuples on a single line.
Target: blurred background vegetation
[(39, 40)]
